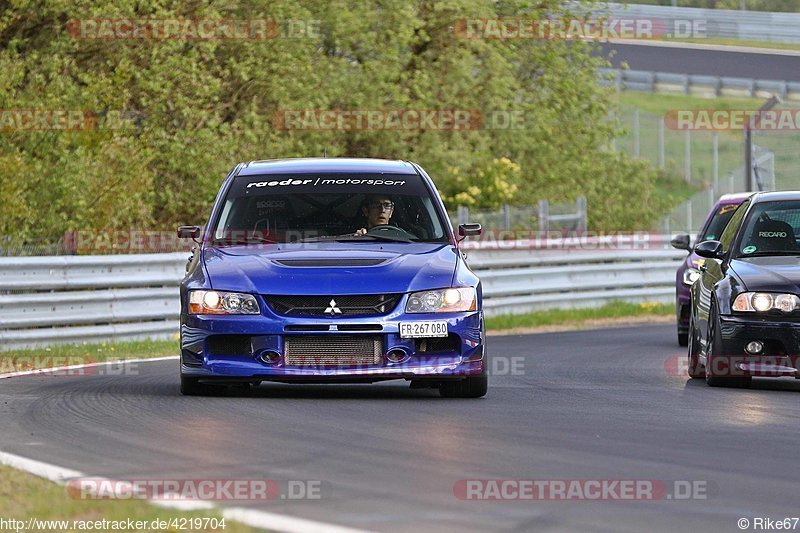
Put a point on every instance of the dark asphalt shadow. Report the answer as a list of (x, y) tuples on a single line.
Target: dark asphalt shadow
[(307, 392), (758, 384)]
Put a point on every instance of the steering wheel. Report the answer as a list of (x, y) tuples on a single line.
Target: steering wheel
[(384, 229)]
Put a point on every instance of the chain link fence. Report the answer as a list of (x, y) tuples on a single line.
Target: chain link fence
[(710, 161)]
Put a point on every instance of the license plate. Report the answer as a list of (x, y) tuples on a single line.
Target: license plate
[(431, 328)]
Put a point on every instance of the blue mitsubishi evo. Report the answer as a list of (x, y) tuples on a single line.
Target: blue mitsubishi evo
[(331, 270)]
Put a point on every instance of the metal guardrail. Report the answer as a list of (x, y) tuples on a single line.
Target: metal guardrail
[(76, 299), (746, 25), (649, 81)]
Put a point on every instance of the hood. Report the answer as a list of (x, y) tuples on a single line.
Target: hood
[(331, 268), (769, 274)]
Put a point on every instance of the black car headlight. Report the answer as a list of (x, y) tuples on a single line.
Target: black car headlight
[(761, 302), (222, 303), (690, 275), (442, 301)]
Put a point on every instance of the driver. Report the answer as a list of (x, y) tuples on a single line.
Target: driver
[(378, 209)]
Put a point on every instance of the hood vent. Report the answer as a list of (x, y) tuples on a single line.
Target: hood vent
[(356, 262)]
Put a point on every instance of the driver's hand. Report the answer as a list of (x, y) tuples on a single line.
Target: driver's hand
[(360, 231)]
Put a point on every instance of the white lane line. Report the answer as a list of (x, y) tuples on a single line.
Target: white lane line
[(711, 47), (67, 368), (250, 517)]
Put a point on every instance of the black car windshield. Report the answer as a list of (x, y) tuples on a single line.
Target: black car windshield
[(328, 207), (771, 229), (718, 222)]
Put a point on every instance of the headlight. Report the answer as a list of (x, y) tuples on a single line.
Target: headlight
[(442, 301), (690, 275), (764, 301), (222, 303)]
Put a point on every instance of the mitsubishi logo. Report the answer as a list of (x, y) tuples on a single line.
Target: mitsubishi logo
[(332, 309)]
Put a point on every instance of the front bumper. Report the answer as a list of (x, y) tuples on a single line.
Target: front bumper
[(779, 357), (231, 348)]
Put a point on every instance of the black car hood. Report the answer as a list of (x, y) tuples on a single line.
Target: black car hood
[(769, 274)]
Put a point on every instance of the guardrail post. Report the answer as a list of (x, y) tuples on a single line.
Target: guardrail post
[(544, 216), (506, 216), (687, 156), (583, 219), (715, 141), (463, 214)]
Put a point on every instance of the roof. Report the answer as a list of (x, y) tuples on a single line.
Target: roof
[(776, 196), (327, 164)]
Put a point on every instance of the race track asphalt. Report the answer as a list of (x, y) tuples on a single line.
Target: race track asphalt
[(604, 404), (704, 62)]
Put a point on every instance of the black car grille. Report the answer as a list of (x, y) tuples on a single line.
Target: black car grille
[(332, 350), (327, 306)]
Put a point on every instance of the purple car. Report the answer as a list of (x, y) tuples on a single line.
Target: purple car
[(688, 272)]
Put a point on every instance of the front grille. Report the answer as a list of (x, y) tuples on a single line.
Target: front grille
[(348, 305), (332, 350)]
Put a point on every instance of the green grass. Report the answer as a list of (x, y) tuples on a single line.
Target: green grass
[(660, 103), (575, 317), (24, 496), (71, 354)]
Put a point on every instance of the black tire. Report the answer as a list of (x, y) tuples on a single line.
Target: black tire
[(193, 387), (715, 346), (472, 387), (683, 338), (696, 370)]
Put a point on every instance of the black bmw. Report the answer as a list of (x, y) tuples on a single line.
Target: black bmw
[(745, 306)]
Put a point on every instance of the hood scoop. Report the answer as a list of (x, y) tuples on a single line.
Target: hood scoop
[(353, 262)]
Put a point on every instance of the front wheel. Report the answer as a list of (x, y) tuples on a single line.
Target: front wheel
[(713, 351), (471, 387), (683, 338), (192, 387), (696, 370)]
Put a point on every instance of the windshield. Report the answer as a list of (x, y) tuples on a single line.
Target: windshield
[(771, 229), (717, 223), (326, 207)]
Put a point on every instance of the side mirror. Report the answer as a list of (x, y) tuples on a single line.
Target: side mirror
[(681, 242), (465, 230), (188, 232), (710, 250)]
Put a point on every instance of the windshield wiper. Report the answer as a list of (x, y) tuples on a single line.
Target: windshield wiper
[(349, 237), (241, 242)]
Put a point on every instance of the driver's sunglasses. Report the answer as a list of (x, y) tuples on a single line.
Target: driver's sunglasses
[(382, 205)]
